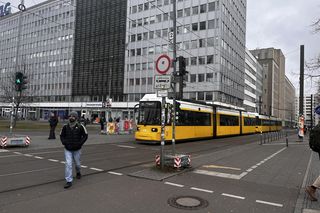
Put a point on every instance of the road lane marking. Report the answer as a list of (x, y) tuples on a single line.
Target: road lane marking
[(4, 150), (217, 174), (53, 160), (28, 155), (96, 169), (234, 176), (124, 146), (18, 153), (233, 196), (220, 167), (269, 203), (174, 184), (201, 190), (62, 162), (38, 157), (115, 173), (83, 166)]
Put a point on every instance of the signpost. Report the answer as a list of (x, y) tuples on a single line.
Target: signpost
[(162, 84)]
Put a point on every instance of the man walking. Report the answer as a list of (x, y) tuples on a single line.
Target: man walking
[(73, 136)]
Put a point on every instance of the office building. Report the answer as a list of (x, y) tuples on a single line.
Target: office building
[(210, 35)]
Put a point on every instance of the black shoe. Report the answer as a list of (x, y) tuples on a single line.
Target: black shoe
[(78, 176), (68, 185)]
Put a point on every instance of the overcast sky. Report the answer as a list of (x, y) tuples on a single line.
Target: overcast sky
[(282, 24)]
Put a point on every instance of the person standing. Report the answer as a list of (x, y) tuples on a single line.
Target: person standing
[(102, 122), (53, 121), (73, 135)]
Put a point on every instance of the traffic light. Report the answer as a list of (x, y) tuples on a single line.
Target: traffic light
[(182, 66), (20, 81)]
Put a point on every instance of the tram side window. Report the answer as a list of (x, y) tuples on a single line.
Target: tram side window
[(191, 118), (249, 121), (265, 123), (229, 120)]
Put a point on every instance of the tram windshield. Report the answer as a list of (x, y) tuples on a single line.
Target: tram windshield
[(149, 113)]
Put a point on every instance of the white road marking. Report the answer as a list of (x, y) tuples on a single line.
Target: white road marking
[(173, 184), (18, 153), (201, 190), (96, 169), (62, 162), (115, 173), (53, 160), (233, 176), (123, 146), (220, 167), (83, 166), (218, 174), (4, 150), (28, 155), (38, 157), (233, 196), (269, 203)]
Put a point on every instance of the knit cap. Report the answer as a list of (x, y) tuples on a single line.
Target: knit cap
[(74, 114)]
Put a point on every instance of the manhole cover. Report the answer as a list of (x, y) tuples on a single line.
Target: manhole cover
[(188, 202)]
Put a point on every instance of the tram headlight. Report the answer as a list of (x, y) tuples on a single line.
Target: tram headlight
[(154, 129), (138, 128)]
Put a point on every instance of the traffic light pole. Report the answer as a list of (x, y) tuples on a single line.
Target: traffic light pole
[(174, 18)]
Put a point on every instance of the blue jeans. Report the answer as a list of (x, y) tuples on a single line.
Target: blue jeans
[(69, 156)]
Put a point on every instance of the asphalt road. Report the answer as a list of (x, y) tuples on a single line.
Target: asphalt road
[(234, 174)]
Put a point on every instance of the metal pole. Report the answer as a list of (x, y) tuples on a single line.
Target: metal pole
[(311, 111), (260, 138), (11, 116), (163, 118), (174, 76), (301, 80), (286, 138)]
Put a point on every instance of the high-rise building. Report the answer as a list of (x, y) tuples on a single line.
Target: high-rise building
[(253, 84), (210, 35), (273, 63), (99, 50), (38, 43)]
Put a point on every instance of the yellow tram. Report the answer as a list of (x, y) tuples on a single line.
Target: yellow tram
[(197, 120)]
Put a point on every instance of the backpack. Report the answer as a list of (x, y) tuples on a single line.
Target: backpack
[(314, 139)]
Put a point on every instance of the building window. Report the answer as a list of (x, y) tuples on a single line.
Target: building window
[(201, 78), (210, 59), (187, 12), (203, 8), (193, 61), (195, 10), (193, 78), (209, 77), (194, 26), (203, 25)]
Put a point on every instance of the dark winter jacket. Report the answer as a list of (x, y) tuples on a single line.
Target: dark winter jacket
[(73, 137), (53, 121)]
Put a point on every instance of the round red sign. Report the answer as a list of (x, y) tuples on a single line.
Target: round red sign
[(163, 64)]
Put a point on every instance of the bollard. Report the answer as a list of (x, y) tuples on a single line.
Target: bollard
[(264, 137), (287, 139), (260, 138)]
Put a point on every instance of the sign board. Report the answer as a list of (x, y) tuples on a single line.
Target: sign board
[(301, 126), (162, 93), (162, 82), (317, 110), (163, 64)]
